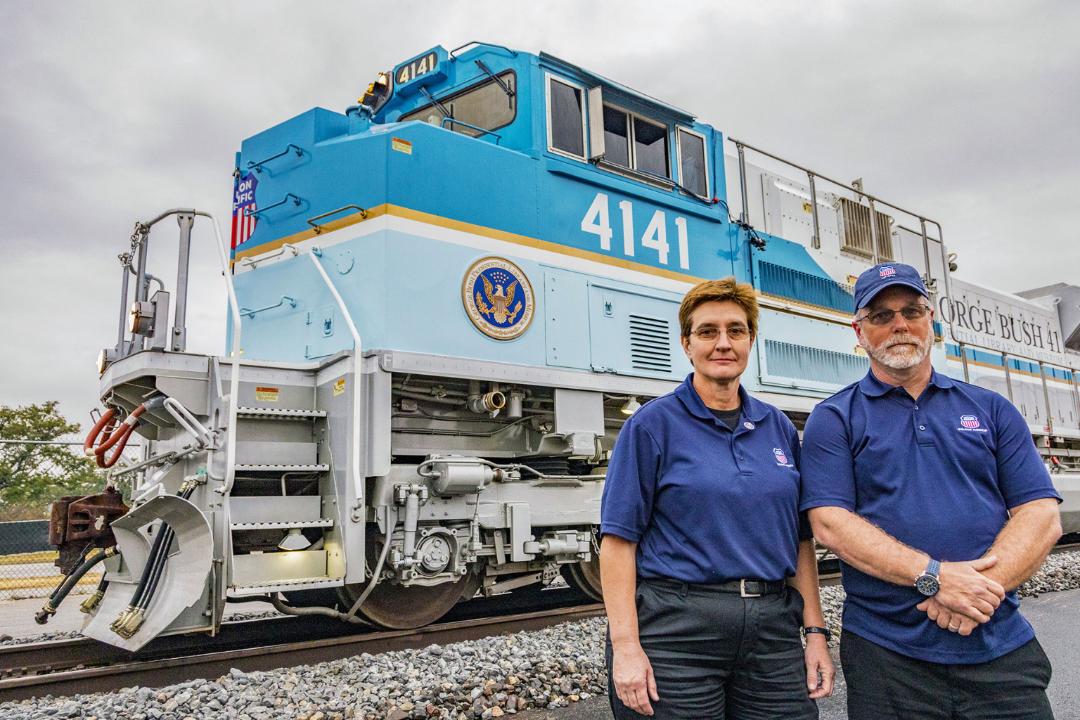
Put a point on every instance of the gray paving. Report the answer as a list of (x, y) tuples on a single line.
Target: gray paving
[(1055, 616)]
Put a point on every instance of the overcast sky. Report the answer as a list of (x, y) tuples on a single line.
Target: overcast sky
[(112, 111)]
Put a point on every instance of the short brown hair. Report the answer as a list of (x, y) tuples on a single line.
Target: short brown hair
[(728, 289)]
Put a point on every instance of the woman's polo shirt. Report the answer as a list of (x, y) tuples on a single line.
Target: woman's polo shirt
[(705, 504)]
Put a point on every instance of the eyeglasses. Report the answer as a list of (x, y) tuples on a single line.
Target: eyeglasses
[(735, 333), (884, 317)]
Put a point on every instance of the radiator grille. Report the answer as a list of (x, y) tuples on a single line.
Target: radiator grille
[(801, 361), (650, 343), (857, 238), (804, 287)]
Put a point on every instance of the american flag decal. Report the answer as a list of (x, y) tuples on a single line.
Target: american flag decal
[(886, 272), (243, 222), (780, 456), (969, 421)]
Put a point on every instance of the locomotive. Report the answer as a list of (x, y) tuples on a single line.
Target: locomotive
[(443, 304)]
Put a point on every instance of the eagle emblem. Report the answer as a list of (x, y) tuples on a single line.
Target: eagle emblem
[(498, 298)]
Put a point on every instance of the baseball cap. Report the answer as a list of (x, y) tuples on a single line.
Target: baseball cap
[(884, 275)]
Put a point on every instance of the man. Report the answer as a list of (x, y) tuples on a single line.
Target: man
[(933, 495)]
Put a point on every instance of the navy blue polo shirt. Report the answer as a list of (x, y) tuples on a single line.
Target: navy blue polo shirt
[(938, 474), (704, 503)]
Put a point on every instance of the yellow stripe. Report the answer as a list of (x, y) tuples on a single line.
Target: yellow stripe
[(39, 582), (30, 557), (440, 221)]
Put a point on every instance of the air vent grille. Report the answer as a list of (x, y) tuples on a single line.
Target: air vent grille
[(650, 343), (806, 288), (857, 238), (809, 363)]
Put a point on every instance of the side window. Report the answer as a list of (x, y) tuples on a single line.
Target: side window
[(485, 106), (566, 118), (635, 143), (650, 147), (616, 136), (693, 173)]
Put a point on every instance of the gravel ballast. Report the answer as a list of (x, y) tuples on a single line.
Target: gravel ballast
[(492, 677)]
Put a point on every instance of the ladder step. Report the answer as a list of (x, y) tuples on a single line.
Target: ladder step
[(309, 583), (321, 467), (283, 525), (282, 413)]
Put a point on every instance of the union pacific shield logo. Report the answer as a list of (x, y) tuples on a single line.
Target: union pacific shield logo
[(969, 421), (886, 272), (780, 456), (498, 298)]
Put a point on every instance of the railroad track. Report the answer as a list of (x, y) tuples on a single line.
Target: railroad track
[(67, 667)]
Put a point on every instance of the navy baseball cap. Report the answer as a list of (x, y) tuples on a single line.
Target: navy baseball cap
[(884, 275)]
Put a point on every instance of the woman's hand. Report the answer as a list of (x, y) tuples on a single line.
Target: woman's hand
[(820, 673), (632, 674)]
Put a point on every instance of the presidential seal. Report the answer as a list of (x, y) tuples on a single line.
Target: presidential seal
[(498, 298)]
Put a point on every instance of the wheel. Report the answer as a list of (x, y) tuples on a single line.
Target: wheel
[(393, 606)]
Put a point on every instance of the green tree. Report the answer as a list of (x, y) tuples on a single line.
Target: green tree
[(33, 475)]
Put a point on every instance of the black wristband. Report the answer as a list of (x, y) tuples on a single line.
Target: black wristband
[(819, 631)]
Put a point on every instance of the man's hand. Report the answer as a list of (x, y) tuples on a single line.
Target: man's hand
[(946, 619), (965, 590), (820, 673), (632, 674)]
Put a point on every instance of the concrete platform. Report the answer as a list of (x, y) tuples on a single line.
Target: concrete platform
[(1055, 616)]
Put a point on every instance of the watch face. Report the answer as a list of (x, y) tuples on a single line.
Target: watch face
[(927, 585)]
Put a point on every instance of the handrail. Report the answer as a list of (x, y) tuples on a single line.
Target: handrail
[(257, 166), (253, 261), (318, 228), (479, 129), (284, 299), (248, 212), (871, 199), (234, 380), (354, 465)]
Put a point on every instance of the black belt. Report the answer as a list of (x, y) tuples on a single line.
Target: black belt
[(743, 588)]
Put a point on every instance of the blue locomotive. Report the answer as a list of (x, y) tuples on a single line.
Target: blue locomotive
[(444, 302)]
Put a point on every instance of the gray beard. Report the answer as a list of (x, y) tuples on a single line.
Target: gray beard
[(894, 358)]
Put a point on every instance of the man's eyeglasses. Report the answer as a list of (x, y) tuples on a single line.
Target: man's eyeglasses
[(884, 317), (734, 333)]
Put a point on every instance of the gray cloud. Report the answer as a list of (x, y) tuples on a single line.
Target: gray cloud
[(110, 111)]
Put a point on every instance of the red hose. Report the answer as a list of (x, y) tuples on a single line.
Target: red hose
[(111, 438)]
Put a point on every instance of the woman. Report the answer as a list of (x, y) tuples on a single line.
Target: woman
[(701, 530)]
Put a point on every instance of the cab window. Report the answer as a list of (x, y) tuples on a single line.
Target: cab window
[(693, 172), (485, 105), (633, 142), (566, 118)]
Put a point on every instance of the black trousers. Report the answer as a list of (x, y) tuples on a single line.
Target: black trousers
[(719, 656), (884, 685)]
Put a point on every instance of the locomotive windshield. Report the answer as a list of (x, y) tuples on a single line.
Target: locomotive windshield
[(486, 106)]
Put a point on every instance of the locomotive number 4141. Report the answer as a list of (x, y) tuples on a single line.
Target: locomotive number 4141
[(597, 222)]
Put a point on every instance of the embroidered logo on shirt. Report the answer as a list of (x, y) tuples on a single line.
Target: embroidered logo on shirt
[(781, 457), (886, 272), (970, 423)]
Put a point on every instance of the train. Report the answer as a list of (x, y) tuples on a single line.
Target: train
[(443, 304)]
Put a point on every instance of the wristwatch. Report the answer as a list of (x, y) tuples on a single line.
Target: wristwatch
[(812, 630), (928, 583)]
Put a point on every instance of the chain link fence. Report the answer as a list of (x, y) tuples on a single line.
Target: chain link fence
[(26, 562)]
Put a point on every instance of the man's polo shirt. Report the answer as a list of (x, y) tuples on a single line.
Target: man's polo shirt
[(938, 474), (705, 504)]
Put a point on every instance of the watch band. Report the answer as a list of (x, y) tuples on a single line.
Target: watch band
[(933, 568), (813, 630)]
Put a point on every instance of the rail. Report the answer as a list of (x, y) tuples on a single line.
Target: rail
[(354, 462), (257, 166), (812, 176)]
